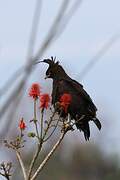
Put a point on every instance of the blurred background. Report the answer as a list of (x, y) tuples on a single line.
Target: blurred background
[(85, 37)]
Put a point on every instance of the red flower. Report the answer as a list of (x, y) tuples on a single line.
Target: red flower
[(22, 124), (44, 101), (65, 101), (34, 91)]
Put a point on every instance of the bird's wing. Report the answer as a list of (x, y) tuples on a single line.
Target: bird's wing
[(79, 89)]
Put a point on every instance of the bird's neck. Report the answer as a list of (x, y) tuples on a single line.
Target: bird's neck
[(60, 77)]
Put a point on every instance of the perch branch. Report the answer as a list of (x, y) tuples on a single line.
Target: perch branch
[(48, 156)]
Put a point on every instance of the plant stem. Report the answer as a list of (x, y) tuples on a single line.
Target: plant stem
[(48, 125), (42, 136), (35, 118), (39, 138), (37, 151), (52, 131), (41, 122), (21, 164), (48, 157), (34, 160)]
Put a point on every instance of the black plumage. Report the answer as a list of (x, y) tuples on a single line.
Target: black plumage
[(81, 106)]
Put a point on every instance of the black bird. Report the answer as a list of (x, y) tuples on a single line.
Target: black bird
[(81, 104)]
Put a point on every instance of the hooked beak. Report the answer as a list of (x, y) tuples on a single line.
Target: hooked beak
[(38, 62)]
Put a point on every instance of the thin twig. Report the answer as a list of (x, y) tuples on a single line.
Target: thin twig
[(68, 17), (3, 175), (21, 164), (56, 125), (34, 160), (48, 156), (41, 122), (93, 61), (35, 118), (48, 125), (5, 169), (11, 80), (6, 174), (53, 29), (39, 146), (34, 29)]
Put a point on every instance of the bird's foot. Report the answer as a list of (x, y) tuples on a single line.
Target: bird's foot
[(67, 127)]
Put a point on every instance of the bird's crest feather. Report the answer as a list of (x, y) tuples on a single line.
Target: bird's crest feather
[(52, 61)]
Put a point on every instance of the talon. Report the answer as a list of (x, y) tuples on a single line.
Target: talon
[(67, 127)]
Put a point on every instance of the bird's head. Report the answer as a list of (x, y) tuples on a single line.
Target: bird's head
[(53, 67), (54, 71)]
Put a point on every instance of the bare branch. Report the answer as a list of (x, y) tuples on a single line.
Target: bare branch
[(55, 126), (35, 119), (53, 30), (40, 144), (68, 17), (48, 125), (34, 29), (5, 170), (34, 160), (98, 55), (21, 164), (48, 156), (10, 81)]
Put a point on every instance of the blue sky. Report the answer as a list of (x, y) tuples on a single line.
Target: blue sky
[(91, 26)]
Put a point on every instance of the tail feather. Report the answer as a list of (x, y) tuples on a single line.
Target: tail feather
[(97, 123), (84, 126), (86, 131)]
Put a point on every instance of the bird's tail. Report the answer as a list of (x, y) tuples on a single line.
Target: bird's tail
[(84, 126), (86, 130), (97, 123)]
